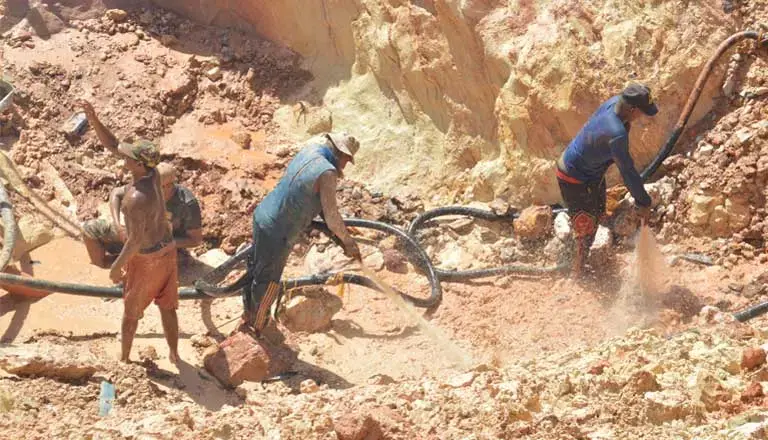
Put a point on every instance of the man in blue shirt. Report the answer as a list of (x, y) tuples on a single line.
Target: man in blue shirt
[(307, 189), (604, 140)]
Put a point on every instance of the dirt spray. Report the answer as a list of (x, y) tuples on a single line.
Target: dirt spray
[(440, 339)]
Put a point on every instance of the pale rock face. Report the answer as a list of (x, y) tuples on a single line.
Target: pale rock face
[(473, 100)]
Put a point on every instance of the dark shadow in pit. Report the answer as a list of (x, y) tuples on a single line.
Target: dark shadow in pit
[(18, 304), (20, 307), (320, 375), (351, 329), (200, 386)]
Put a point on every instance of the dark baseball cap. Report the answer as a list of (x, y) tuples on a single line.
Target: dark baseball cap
[(639, 95)]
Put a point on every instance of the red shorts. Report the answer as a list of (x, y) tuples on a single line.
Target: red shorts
[(151, 277)]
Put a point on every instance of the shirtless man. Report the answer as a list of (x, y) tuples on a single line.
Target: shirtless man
[(104, 238), (147, 263)]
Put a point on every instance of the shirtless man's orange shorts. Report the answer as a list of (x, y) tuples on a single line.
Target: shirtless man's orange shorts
[(151, 277)]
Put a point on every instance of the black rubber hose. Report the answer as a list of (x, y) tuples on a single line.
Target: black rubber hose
[(464, 275), (752, 312), (420, 258), (416, 254), (9, 227), (694, 97)]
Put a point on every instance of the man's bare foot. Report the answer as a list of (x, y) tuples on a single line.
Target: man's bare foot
[(125, 360), (174, 357)]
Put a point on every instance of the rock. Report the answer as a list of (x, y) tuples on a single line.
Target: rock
[(709, 391), (598, 367), (214, 257), (665, 406), (753, 392), (701, 208), (214, 74), (32, 234), (355, 426), (375, 260), (754, 92), (48, 360), (116, 15), (148, 353), (562, 226), (601, 250), (534, 222), (242, 138), (308, 386), (462, 225), (461, 380), (331, 260), (743, 136), (500, 207), (241, 358), (394, 261), (752, 358), (202, 341), (311, 311), (706, 150), (643, 381)]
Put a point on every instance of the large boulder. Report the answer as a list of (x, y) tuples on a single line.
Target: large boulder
[(241, 357), (48, 360), (311, 311), (534, 222)]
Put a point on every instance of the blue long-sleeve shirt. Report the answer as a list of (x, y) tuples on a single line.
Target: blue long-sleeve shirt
[(602, 141)]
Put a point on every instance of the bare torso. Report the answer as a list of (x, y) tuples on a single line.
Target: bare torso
[(144, 199)]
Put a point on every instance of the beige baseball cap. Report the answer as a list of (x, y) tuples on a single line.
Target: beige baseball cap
[(345, 143)]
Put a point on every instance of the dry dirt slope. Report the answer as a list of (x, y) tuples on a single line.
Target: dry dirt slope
[(479, 96)]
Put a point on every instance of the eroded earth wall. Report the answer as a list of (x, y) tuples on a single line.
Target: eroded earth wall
[(472, 100)]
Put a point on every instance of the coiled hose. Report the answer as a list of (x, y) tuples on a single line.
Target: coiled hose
[(419, 257), (464, 275)]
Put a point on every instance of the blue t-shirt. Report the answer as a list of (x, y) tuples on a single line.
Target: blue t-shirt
[(602, 141)]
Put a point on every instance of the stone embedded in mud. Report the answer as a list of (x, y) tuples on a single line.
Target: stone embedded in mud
[(355, 426), (312, 311), (752, 358), (116, 15), (242, 358), (534, 222), (48, 360)]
